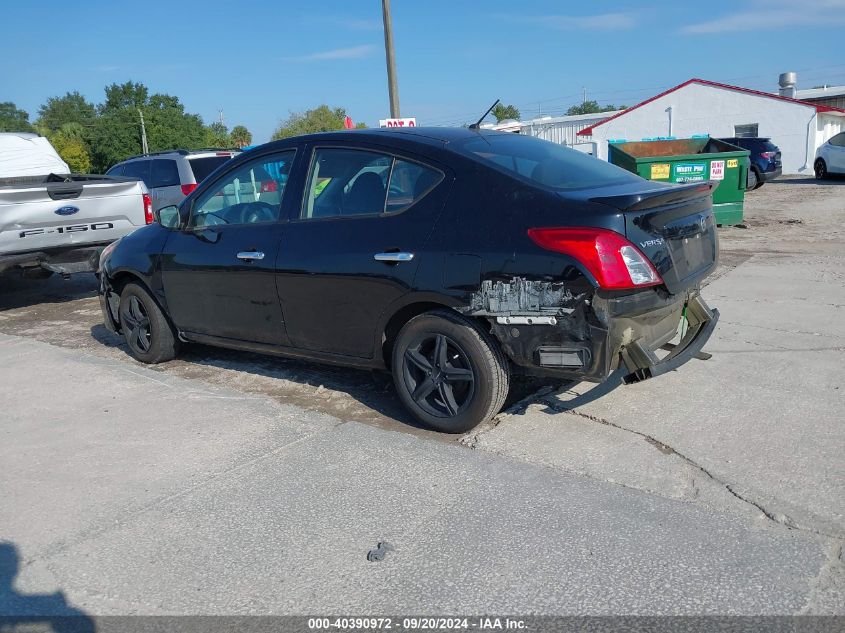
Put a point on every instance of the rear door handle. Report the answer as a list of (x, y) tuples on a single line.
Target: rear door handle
[(393, 257), (250, 255)]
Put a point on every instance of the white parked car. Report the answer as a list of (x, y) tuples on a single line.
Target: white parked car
[(831, 157)]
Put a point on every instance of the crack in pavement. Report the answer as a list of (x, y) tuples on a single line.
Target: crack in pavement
[(471, 441)]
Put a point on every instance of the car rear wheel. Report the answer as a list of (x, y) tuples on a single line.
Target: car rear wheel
[(148, 334), (753, 180), (449, 373), (821, 169)]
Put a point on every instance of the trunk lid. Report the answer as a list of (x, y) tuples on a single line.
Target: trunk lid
[(674, 227)]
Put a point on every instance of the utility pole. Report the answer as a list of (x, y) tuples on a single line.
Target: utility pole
[(585, 94), (145, 149), (392, 86)]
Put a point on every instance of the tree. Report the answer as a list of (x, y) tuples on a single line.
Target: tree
[(13, 119), (320, 119), (59, 111), (69, 142), (116, 133), (241, 137), (592, 107), (217, 135), (126, 95), (502, 112)]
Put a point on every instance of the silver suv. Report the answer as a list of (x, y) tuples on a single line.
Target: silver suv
[(172, 175)]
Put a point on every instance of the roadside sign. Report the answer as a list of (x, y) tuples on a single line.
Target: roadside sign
[(407, 122)]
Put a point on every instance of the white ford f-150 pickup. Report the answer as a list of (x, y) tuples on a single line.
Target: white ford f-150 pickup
[(55, 221)]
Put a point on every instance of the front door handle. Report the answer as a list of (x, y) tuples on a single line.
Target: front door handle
[(250, 255), (393, 257)]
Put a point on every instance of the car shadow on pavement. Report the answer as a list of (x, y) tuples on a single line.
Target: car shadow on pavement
[(17, 291), (24, 611), (302, 383), (832, 179)]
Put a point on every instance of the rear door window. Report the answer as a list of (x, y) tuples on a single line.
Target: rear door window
[(164, 173), (117, 170), (138, 169), (352, 182), (202, 167)]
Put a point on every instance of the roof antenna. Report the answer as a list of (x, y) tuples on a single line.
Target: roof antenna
[(477, 124)]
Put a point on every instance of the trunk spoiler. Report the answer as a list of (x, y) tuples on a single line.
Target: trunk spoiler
[(657, 197)]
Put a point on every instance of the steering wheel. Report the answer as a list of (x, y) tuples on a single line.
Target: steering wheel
[(258, 211)]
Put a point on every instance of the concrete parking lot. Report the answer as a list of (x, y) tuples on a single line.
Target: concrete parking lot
[(224, 482)]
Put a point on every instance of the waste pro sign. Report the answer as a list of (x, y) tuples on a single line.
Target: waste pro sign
[(408, 122)]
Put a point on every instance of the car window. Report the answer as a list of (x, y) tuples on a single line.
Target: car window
[(409, 182), (345, 182), (117, 170), (248, 195), (138, 169), (202, 167), (838, 140), (543, 162), (350, 182), (164, 173)]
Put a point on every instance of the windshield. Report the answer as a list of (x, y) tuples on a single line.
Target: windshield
[(543, 162)]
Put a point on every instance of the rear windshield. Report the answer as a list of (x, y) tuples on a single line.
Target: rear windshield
[(202, 167), (543, 162)]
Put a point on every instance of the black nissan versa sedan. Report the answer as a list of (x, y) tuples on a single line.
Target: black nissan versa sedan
[(452, 257)]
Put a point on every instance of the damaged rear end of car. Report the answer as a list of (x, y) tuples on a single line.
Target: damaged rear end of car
[(607, 280)]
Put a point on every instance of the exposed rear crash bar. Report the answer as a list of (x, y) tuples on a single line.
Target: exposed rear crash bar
[(642, 363)]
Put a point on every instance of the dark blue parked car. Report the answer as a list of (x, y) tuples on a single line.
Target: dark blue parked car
[(765, 159)]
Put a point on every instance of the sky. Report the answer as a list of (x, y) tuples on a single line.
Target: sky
[(260, 60)]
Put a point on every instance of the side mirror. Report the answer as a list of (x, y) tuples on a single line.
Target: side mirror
[(168, 216)]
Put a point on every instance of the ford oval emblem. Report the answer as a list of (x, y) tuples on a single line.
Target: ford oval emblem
[(68, 210)]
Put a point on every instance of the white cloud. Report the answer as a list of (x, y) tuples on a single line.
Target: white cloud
[(774, 14), (354, 52), (599, 22)]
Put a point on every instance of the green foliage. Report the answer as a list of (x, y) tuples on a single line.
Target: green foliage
[(320, 119), (592, 107), (70, 144), (217, 135), (126, 95), (116, 131), (240, 136), (502, 112), (12, 119), (60, 111)]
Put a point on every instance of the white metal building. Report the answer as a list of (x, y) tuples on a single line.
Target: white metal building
[(560, 129), (698, 106)]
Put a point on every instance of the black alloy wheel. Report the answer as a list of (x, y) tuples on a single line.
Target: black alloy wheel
[(449, 372), (438, 375), (149, 335), (136, 325), (821, 169)]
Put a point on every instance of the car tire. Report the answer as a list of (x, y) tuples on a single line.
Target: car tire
[(449, 373), (753, 180), (820, 168), (148, 333)]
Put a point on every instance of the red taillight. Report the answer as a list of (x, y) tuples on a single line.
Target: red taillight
[(148, 209), (269, 186), (187, 189), (611, 259), (767, 155)]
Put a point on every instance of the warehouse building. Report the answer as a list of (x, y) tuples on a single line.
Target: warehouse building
[(698, 107)]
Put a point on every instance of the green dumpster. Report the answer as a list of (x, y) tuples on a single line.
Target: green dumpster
[(691, 160)]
